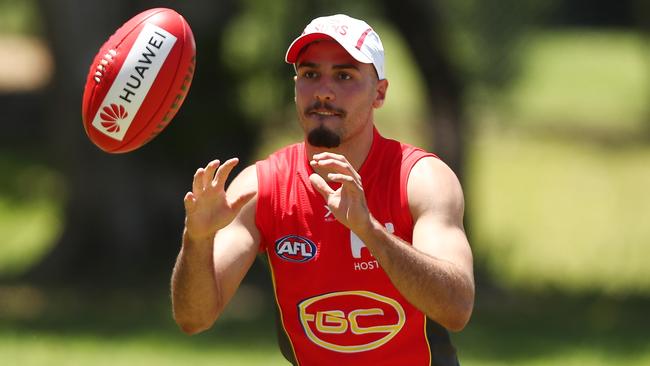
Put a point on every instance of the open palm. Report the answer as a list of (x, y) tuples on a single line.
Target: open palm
[(207, 207)]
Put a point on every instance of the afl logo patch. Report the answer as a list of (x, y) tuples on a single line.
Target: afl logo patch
[(294, 248)]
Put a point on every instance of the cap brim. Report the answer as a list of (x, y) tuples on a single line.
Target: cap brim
[(299, 43)]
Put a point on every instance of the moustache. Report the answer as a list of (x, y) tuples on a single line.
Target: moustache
[(324, 106)]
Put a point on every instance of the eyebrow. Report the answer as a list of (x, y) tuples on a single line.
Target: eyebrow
[(338, 67)]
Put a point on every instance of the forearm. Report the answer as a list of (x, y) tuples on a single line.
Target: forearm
[(195, 292), (437, 287)]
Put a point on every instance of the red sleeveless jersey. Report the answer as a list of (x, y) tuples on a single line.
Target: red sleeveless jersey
[(336, 305)]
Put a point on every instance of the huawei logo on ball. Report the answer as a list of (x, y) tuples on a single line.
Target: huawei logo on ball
[(111, 117)]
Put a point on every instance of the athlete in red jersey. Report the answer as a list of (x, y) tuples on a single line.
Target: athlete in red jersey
[(364, 235)]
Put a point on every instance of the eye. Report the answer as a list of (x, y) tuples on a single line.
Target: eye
[(310, 74), (344, 76)]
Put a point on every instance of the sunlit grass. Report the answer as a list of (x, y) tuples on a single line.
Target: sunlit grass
[(557, 213), (583, 79), (35, 349), (557, 193)]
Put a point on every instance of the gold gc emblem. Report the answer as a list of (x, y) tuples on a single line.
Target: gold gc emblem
[(351, 321)]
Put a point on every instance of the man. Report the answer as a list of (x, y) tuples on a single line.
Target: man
[(364, 235)]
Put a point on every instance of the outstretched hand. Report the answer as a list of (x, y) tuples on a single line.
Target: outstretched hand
[(207, 207), (348, 202)]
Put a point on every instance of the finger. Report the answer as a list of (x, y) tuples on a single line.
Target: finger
[(209, 172), (331, 164), (329, 155), (336, 166), (320, 185), (240, 201), (197, 183), (348, 183), (341, 178), (223, 172), (189, 201)]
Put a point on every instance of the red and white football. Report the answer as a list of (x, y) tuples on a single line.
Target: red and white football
[(138, 80)]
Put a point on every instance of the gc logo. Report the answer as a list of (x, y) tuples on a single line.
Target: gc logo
[(351, 321)]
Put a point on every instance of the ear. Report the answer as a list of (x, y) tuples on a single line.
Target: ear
[(382, 87), (295, 79)]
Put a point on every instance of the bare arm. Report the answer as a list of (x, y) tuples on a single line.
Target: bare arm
[(435, 273), (220, 242)]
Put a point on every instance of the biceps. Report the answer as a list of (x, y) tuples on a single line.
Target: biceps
[(443, 240)]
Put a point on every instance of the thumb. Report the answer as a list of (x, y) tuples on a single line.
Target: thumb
[(240, 201), (189, 201), (321, 186)]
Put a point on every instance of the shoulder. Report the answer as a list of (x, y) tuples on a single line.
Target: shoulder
[(434, 188), (245, 181)]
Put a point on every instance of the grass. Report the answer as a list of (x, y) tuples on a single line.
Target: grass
[(122, 327), (551, 213), (584, 79), (554, 329), (94, 327), (52, 349), (557, 182)]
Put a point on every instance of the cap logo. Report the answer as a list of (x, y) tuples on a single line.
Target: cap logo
[(341, 29), (363, 38)]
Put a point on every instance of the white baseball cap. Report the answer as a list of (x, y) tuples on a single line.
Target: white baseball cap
[(354, 35)]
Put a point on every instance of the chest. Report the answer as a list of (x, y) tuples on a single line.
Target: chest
[(304, 240)]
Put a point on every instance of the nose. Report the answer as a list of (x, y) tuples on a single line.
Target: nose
[(324, 91)]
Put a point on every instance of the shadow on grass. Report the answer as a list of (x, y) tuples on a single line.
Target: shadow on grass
[(129, 314), (505, 328), (514, 328)]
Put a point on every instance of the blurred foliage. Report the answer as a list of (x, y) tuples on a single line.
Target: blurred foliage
[(486, 37), (20, 16), (31, 196)]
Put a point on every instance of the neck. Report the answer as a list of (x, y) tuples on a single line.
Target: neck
[(355, 149)]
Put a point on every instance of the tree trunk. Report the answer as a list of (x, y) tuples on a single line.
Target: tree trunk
[(421, 25)]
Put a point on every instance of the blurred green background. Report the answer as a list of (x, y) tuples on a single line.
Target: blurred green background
[(548, 111)]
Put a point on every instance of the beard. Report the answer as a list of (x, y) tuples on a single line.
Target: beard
[(323, 137)]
